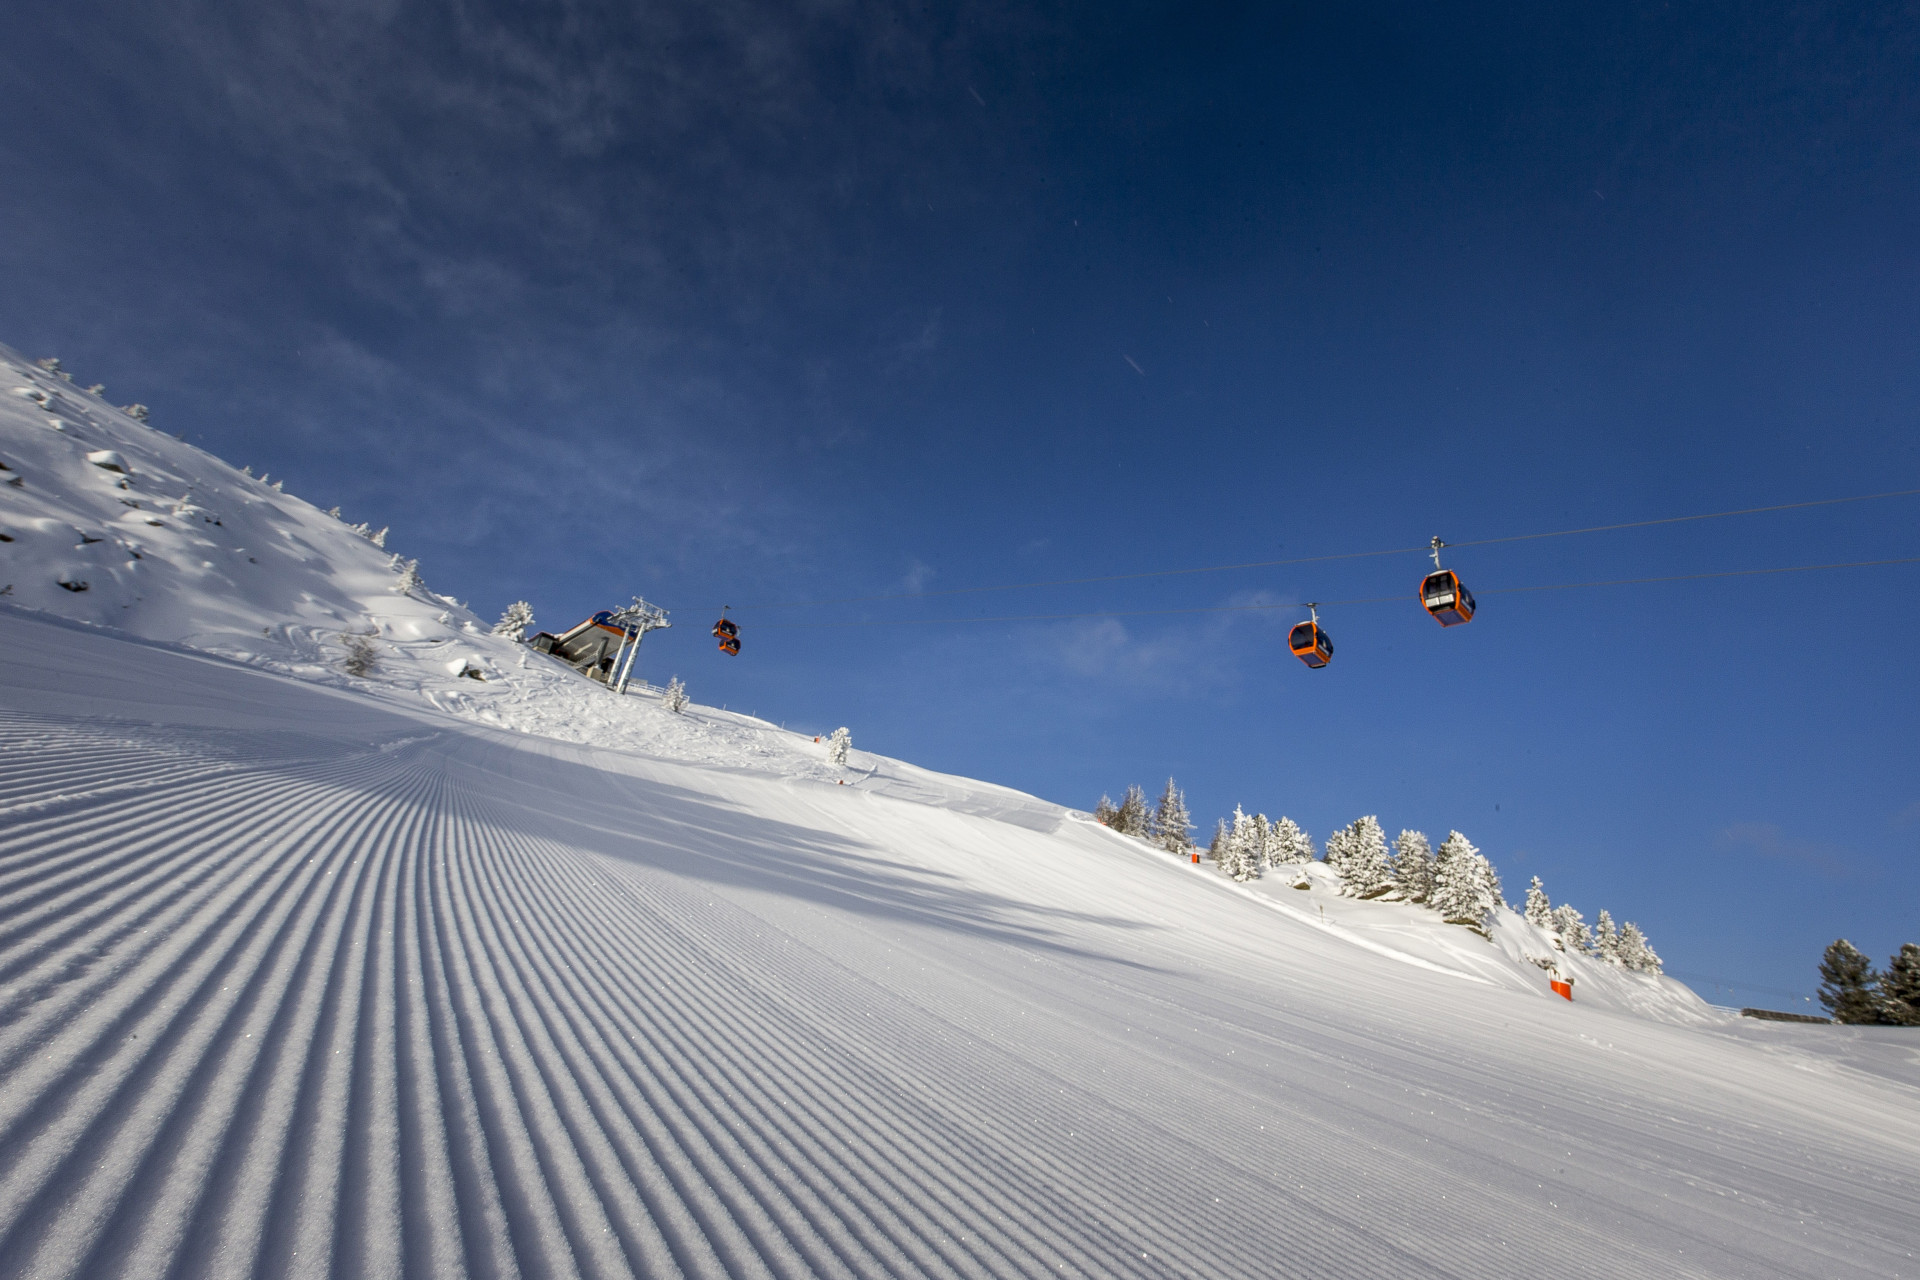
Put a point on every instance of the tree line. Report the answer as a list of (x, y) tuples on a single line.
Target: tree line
[(1456, 880), (1854, 993)]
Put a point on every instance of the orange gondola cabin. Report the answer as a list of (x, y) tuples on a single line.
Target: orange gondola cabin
[(1311, 644), (728, 634), (1446, 598)]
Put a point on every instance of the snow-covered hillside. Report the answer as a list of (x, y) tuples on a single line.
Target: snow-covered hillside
[(303, 974)]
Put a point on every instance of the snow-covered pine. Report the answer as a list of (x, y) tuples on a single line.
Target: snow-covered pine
[(1131, 820), (1413, 866), (1465, 890), (514, 622), (1172, 826), (675, 697), (1900, 986), (1242, 860), (1290, 843), (1846, 984), (334, 512), (1636, 953), (1572, 928), (410, 579), (1263, 843), (1539, 910), (1104, 812), (1217, 847), (1606, 938), (839, 742), (1365, 869), (1336, 849)]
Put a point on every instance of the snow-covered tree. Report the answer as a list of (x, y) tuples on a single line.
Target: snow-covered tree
[(1572, 928), (1846, 984), (334, 512), (1132, 819), (839, 742), (1606, 938), (410, 579), (1366, 870), (1900, 987), (1290, 843), (1635, 951), (50, 363), (1539, 910), (514, 622), (1413, 866), (1240, 854), (675, 698), (1465, 888), (1172, 827), (1262, 842), (1217, 847), (1104, 811)]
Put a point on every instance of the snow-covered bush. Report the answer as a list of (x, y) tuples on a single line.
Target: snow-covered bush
[(1103, 813), (362, 654), (839, 742), (1290, 843), (675, 698), (1413, 866), (1465, 888), (514, 622), (1172, 827)]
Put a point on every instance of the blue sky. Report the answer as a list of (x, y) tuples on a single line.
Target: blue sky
[(754, 303)]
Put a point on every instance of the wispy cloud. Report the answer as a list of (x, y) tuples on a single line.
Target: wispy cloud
[(1767, 840)]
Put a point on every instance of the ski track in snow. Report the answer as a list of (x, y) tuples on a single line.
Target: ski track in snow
[(305, 986)]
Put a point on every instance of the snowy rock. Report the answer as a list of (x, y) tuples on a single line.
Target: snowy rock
[(109, 460)]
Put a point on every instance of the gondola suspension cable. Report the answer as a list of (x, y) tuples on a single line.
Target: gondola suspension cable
[(1394, 599), (1347, 555)]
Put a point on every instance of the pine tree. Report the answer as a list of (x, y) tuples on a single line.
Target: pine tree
[(514, 622), (1365, 869), (1635, 951), (1846, 984), (1104, 811), (1900, 987), (1131, 820), (1240, 857), (1606, 938), (410, 579), (1290, 843), (675, 698), (1465, 890), (838, 744), (1336, 850), (1263, 843), (1413, 866), (1217, 847), (1539, 909), (1572, 928), (1172, 827)]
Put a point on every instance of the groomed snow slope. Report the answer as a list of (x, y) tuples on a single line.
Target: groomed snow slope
[(297, 982)]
